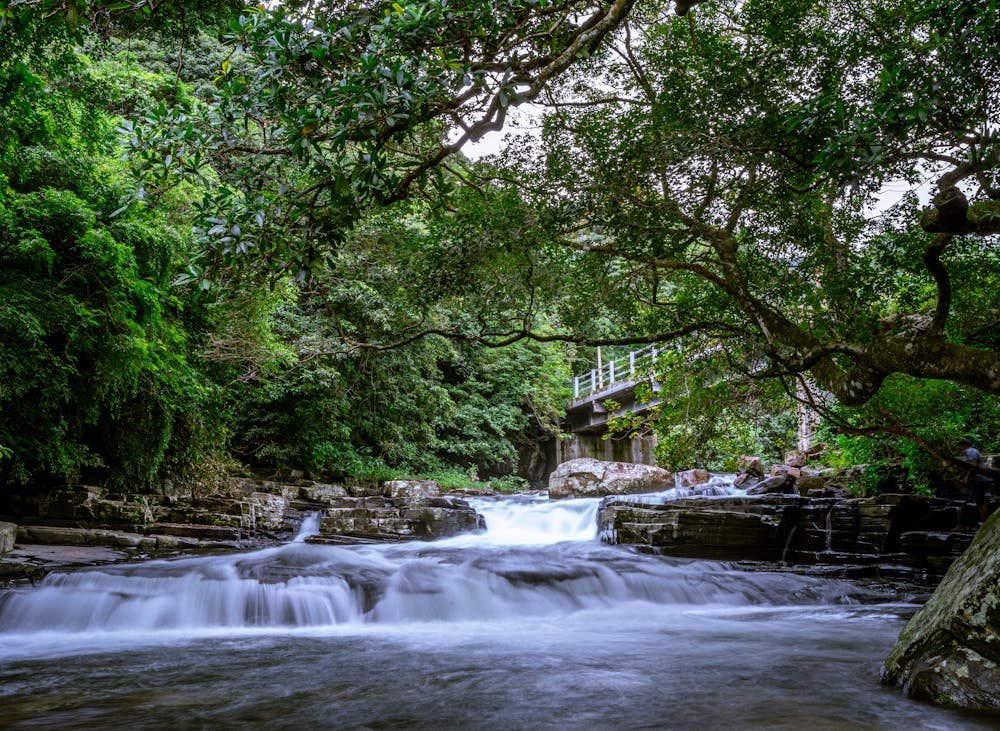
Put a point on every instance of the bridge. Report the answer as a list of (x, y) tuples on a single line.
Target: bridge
[(586, 424), (586, 421)]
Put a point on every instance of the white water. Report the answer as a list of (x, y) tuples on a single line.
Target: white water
[(533, 624), (309, 527), (537, 558), (720, 485)]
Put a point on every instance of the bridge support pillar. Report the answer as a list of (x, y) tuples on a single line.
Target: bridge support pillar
[(638, 449)]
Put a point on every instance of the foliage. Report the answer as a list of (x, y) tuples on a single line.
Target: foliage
[(418, 407), (709, 418), (893, 432), (96, 370)]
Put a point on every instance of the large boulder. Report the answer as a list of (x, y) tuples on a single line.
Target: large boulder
[(594, 478), (795, 458), (949, 652)]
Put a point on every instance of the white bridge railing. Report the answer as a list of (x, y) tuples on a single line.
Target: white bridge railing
[(615, 371)]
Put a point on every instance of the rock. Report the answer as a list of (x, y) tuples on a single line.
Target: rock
[(724, 529), (806, 483), (399, 519), (751, 465), (8, 535), (697, 476), (774, 484), (779, 470), (411, 489), (795, 458), (746, 480), (949, 652), (594, 478), (829, 491), (886, 530), (321, 492)]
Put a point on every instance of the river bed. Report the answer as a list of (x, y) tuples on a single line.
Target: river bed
[(532, 625)]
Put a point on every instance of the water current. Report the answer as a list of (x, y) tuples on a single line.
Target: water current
[(533, 624)]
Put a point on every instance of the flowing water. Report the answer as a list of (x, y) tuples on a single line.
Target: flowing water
[(532, 625)]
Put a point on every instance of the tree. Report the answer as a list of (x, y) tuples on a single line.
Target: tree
[(731, 164), (99, 371)]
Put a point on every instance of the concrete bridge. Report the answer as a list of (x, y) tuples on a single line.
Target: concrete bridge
[(586, 422)]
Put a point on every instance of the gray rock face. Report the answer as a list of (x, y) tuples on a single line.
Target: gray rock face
[(911, 533), (595, 478), (8, 533), (949, 653), (795, 458), (398, 518), (411, 489)]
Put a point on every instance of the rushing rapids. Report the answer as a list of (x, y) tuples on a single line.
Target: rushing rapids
[(533, 623)]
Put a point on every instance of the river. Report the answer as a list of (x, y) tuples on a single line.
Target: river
[(533, 624)]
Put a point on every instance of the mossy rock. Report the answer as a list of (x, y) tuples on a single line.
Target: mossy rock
[(949, 652)]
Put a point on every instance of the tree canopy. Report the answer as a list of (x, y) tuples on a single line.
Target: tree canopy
[(262, 214)]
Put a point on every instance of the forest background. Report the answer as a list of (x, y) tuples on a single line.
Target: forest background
[(240, 234)]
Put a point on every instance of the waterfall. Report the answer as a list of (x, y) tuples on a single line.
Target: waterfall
[(537, 558), (309, 527), (536, 520)]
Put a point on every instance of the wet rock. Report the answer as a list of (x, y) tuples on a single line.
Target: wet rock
[(690, 478), (949, 652), (8, 534), (725, 529), (746, 480), (898, 530), (775, 484), (750, 465), (595, 478), (828, 491), (263, 511)]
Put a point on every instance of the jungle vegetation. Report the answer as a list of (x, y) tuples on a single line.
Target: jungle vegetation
[(248, 233)]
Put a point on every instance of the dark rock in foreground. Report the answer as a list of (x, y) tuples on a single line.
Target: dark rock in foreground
[(949, 653)]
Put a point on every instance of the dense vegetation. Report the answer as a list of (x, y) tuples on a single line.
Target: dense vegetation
[(247, 233)]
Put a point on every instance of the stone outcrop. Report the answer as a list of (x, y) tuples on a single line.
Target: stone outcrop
[(398, 519), (595, 478), (63, 536), (245, 511), (750, 465), (949, 652), (913, 535), (411, 489)]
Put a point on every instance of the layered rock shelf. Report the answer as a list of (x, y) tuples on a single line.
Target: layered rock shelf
[(248, 512), (915, 534)]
